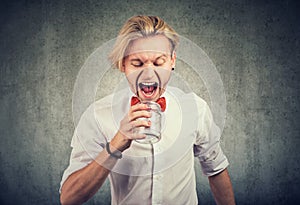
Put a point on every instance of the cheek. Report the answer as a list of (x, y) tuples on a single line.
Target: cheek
[(127, 72), (130, 73), (164, 76), (131, 76)]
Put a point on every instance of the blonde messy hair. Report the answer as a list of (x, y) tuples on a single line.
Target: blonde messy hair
[(139, 27)]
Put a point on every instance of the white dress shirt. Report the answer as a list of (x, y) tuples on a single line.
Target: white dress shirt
[(162, 173)]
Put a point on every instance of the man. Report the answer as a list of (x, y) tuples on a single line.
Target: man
[(105, 142)]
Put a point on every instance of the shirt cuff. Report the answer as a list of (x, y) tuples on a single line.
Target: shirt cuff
[(214, 166)]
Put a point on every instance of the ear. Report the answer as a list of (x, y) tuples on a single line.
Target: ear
[(173, 60), (122, 66)]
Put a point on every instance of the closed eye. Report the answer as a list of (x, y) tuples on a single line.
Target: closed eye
[(159, 61), (137, 63)]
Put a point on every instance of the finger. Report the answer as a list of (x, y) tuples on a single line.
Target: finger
[(139, 114), (129, 127), (134, 136), (139, 106), (133, 133), (139, 136), (140, 123)]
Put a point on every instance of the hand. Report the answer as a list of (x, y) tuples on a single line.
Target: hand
[(126, 134)]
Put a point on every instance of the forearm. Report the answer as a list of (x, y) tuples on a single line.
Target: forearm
[(222, 188), (83, 184)]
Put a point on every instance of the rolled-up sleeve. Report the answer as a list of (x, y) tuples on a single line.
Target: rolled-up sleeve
[(87, 142), (207, 146)]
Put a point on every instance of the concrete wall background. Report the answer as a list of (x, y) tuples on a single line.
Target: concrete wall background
[(254, 45)]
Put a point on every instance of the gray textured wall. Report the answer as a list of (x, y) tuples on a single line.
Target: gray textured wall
[(254, 45)]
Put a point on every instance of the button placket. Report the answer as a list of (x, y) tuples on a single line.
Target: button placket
[(157, 189), (157, 192)]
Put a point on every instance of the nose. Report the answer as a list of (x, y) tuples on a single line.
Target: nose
[(148, 73)]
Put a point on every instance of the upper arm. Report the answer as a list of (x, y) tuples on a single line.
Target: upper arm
[(207, 146), (87, 142)]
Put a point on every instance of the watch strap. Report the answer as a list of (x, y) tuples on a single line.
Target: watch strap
[(116, 154)]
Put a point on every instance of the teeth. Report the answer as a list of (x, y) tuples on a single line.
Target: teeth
[(149, 84), (155, 84)]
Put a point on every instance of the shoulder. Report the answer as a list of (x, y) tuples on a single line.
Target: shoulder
[(110, 110), (113, 100), (104, 108), (187, 98)]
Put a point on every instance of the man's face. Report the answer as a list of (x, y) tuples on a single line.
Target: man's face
[(148, 66)]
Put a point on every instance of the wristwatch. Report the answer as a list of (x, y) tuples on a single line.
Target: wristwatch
[(116, 154)]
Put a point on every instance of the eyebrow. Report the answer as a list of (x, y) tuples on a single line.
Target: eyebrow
[(163, 55), (138, 59)]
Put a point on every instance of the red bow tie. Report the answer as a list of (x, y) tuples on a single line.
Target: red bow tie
[(161, 101)]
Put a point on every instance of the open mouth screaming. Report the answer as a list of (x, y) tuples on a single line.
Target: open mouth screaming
[(148, 88)]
